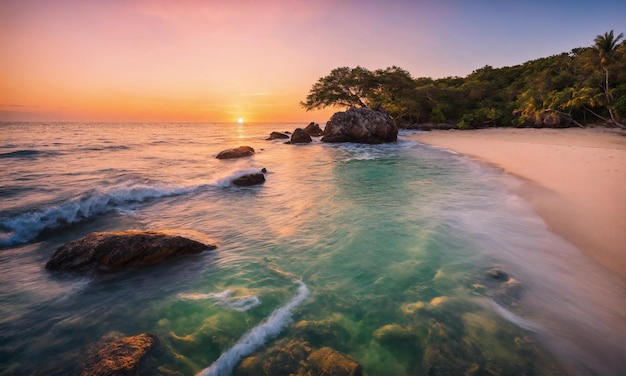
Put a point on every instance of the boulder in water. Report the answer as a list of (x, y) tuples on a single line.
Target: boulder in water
[(361, 125), (313, 129), (299, 136), (239, 152), (121, 356), (249, 179), (277, 136), (115, 251)]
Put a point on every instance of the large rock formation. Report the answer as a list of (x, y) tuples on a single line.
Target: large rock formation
[(360, 125), (239, 152), (313, 129), (114, 251), (299, 136), (120, 356)]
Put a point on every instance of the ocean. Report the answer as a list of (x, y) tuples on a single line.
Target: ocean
[(407, 258)]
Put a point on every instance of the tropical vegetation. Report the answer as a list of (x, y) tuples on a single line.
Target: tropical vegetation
[(583, 86)]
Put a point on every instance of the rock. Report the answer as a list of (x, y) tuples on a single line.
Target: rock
[(239, 152), (299, 136), (295, 357), (277, 136), (360, 125), (320, 332), (498, 274), (327, 361), (249, 179), (120, 356), (115, 251), (284, 358), (313, 129)]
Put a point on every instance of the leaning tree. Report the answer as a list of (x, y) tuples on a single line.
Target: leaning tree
[(606, 45)]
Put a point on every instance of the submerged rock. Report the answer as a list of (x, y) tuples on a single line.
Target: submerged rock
[(121, 356), (299, 136), (361, 125), (313, 129), (327, 361), (319, 332), (296, 357), (277, 136), (115, 251), (239, 152), (249, 179)]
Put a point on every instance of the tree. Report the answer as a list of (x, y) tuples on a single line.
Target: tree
[(606, 46), (344, 86)]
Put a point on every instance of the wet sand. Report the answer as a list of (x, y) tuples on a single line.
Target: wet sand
[(574, 178)]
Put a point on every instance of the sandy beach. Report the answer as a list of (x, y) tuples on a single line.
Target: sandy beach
[(574, 178)]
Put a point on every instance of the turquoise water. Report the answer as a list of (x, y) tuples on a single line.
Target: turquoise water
[(381, 252)]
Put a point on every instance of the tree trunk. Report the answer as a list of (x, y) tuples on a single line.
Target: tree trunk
[(609, 97), (568, 116)]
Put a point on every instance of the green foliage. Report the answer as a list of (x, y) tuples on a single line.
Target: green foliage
[(586, 85)]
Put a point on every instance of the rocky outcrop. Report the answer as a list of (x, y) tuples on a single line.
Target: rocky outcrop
[(294, 357), (313, 129), (249, 179), (239, 152), (115, 251), (299, 136), (361, 125), (119, 356), (277, 136)]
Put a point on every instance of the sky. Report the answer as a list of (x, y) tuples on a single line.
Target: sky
[(218, 61)]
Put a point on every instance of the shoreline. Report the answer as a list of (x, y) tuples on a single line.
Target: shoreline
[(575, 179)]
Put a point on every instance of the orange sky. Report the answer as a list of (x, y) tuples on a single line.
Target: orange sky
[(133, 60)]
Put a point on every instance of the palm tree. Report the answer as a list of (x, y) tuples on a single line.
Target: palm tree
[(606, 45)]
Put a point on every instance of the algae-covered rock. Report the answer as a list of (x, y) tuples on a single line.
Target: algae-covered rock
[(114, 251), (119, 357), (320, 332), (330, 362), (296, 357)]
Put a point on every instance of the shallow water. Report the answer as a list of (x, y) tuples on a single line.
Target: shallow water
[(391, 243)]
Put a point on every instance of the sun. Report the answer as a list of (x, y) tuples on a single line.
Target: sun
[(240, 120)]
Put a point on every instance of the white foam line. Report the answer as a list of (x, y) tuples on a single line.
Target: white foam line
[(255, 338)]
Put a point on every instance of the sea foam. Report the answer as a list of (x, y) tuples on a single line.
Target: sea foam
[(225, 298), (255, 338), (27, 226), (227, 181)]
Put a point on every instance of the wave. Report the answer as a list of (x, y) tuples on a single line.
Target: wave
[(255, 338), (27, 226), (367, 152), (227, 181), (26, 154), (242, 303), (515, 319)]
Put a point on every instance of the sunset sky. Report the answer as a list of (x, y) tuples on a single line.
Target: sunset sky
[(217, 61)]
